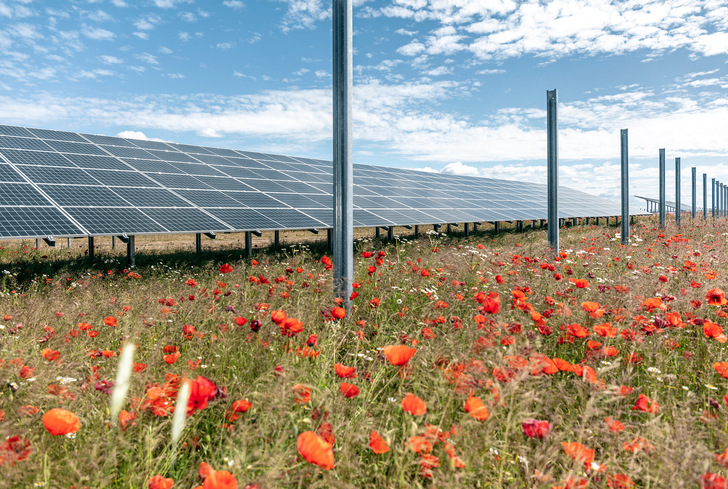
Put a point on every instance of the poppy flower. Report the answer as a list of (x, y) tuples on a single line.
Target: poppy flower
[(722, 458), (61, 422), (110, 321), (220, 479), (716, 297), (315, 450), (713, 330), (49, 354), (475, 407), (721, 368), (593, 308), (202, 390), (620, 481), (159, 482), (419, 444), (349, 390), (302, 393), (225, 268), (399, 355), (291, 327), (639, 444), (645, 404), (577, 451), (345, 372), (534, 428), (338, 312), (414, 405), (579, 283), (613, 424), (241, 406), (490, 303), (14, 449), (377, 443), (278, 316)]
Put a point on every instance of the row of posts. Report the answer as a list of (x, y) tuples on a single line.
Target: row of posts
[(719, 194)]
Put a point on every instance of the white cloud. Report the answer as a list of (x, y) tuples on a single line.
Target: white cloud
[(147, 58), (147, 23), (110, 60), (188, 16), (225, 45), (169, 3), (209, 133), (119, 3), (303, 14), (97, 33), (236, 4), (133, 135), (439, 71)]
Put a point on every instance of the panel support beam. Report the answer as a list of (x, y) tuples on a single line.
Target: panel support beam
[(124, 238), (694, 209), (496, 227), (417, 231), (248, 244), (37, 243), (390, 234), (198, 242), (678, 204), (130, 252), (113, 242), (68, 242), (276, 239), (330, 240), (466, 228), (91, 247), (519, 226), (50, 241), (313, 231)]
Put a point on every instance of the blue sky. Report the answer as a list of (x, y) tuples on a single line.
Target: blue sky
[(456, 86)]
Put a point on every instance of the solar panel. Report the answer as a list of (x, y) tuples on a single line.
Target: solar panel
[(68, 184)]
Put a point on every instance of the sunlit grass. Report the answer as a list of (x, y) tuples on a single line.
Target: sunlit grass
[(418, 292)]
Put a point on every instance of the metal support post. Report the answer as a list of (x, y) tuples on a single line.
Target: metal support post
[(113, 242), (625, 185), (343, 232), (467, 229), (376, 232), (37, 242), (130, 252), (552, 168), (417, 231), (678, 203), (436, 227), (705, 196), (542, 223), (497, 227), (198, 242), (390, 233), (248, 244), (330, 239), (91, 247), (712, 197), (573, 221), (694, 210), (276, 239), (68, 242), (519, 226), (662, 188)]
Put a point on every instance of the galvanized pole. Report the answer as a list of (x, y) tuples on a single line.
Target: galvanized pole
[(625, 186), (662, 188), (712, 198), (695, 177), (552, 169), (678, 206), (705, 196), (343, 167)]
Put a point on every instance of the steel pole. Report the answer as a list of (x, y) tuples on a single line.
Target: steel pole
[(343, 167), (678, 204), (695, 198), (712, 198), (552, 169), (662, 188), (625, 186), (705, 195)]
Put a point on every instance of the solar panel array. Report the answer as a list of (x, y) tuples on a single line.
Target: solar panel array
[(56, 183)]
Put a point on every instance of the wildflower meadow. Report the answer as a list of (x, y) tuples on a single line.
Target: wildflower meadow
[(483, 361)]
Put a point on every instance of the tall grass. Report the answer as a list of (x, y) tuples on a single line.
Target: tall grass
[(178, 299)]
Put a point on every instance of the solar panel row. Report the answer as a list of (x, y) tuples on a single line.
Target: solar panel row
[(69, 184)]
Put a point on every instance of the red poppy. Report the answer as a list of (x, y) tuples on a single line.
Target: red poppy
[(345, 372), (399, 355), (613, 424), (14, 449), (338, 312), (49, 354), (349, 390), (619, 481), (202, 390), (475, 407), (713, 330), (315, 450), (722, 458), (414, 405), (377, 443), (639, 444), (645, 404), (159, 482), (534, 428), (291, 327), (61, 422), (302, 393), (490, 303), (225, 268), (716, 297), (220, 479), (419, 444), (579, 283), (110, 321), (721, 368), (593, 308), (278, 316), (577, 451)]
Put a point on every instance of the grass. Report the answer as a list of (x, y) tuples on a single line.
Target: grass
[(47, 295)]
